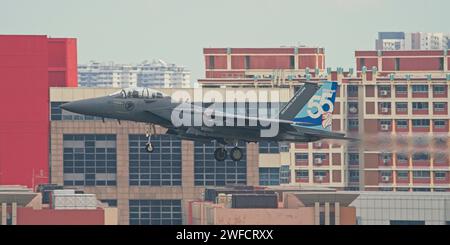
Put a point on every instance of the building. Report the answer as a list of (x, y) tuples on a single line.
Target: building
[(412, 41), (390, 41), (29, 66), (273, 207), (396, 102), (245, 65), (394, 208), (157, 73), (22, 206)]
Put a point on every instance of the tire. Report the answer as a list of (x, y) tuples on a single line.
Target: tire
[(149, 147), (236, 154), (220, 154)]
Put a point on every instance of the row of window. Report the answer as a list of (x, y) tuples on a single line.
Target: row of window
[(438, 175), (403, 106), (155, 212), (91, 160)]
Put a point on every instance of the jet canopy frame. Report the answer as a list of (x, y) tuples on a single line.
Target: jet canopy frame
[(139, 92)]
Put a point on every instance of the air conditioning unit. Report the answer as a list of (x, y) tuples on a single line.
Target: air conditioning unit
[(385, 178), (384, 110), (318, 160), (383, 92), (319, 144), (384, 127), (319, 178)]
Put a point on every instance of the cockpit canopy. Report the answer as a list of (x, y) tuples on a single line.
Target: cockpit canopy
[(147, 93)]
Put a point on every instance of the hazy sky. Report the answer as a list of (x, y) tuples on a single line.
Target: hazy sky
[(177, 30)]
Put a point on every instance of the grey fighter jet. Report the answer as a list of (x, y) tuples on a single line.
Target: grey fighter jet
[(305, 118)]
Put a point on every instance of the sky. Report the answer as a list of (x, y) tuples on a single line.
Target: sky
[(176, 31)]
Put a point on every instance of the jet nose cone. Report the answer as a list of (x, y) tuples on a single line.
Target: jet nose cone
[(80, 107)]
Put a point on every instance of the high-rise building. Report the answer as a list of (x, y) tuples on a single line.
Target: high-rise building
[(157, 73), (390, 41), (29, 64), (412, 41)]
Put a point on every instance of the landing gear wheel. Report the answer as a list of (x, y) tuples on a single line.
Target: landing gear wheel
[(149, 147), (236, 154), (220, 154)]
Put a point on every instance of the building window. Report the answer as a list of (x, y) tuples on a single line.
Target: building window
[(352, 90), (440, 123), (441, 63), (397, 64), (421, 156), (419, 88), (209, 172), (269, 176), (352, 107), (301, 174), (401, 106), (291, 62), (162, 167), (384, 90), (211, 62), (353, 124), (320, 173), (440, 157), (402, 123), (439, 106), (299, 157), (353, 175), (421, 123), (269, 147), (353, 158), (402, 175), (421, 174), (401, 89), (402, 158), (89, 160), (155, 212), (439, 89), (385, 124), (421, 189), (362, 62), (247, 62), (440, 175), (420, 105), (285, 174), (110, 202)]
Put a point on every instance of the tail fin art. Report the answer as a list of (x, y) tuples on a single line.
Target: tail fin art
[(317, 113)]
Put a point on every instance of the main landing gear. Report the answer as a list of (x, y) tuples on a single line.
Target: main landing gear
[(236, 154), (151, 130)]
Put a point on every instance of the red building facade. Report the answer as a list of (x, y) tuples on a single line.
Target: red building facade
[(29, 65)]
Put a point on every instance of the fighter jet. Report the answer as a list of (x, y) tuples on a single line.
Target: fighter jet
[(305, 118)]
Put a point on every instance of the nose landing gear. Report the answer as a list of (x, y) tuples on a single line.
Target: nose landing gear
[(151, 130)]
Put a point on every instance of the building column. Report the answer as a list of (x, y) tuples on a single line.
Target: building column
[(122, 178), (252, 164), (337, 213), (327, 213), (14, 213), (4, 214), (316, 213)]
